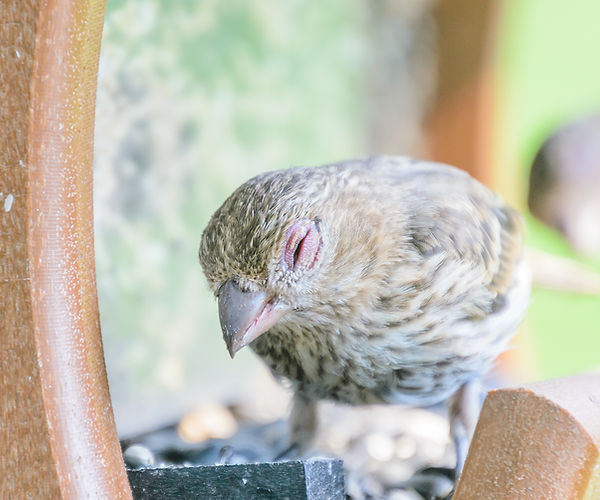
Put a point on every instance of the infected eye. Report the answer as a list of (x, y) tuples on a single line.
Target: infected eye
[(302, 245)]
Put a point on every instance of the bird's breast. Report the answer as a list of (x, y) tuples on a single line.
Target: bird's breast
[(354, 368)]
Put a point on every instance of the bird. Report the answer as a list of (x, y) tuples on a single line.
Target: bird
[(564, 183), (377, 280)]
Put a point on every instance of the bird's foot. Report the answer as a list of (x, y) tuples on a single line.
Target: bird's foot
[(362, 487), (432, 483), (229, 455), (463, 413), (289, 453), (303, 422)]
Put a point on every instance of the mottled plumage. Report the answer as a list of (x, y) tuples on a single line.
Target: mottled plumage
[(410, 283)]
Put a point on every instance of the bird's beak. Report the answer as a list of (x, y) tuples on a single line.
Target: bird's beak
[(244, 316)]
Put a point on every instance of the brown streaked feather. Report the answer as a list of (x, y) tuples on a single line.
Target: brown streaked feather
[(470, 225), (511, 250)]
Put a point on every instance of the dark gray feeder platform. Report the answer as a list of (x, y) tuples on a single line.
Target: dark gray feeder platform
[(313, 479)]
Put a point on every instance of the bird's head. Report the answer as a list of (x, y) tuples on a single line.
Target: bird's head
[(262, 253)]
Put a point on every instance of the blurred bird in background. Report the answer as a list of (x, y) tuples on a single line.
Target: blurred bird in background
[(383, 280), (564, 184)]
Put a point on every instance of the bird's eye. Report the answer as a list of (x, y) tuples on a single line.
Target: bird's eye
[(302, 245)]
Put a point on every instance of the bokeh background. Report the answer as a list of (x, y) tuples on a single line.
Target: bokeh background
[(195, 97)]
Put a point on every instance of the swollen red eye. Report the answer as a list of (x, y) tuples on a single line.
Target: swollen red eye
[(302, 245)]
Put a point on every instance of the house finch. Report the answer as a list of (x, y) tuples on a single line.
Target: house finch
[(382, 280)]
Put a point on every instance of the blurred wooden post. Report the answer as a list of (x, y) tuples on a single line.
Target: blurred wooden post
[(57, 432), (538, 441), (459, 128)]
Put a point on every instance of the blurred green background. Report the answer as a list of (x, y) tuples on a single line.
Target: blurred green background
[(547, 76), (195, 97)]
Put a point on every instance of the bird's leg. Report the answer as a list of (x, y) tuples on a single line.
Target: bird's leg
[(464, 410), (303, 426)]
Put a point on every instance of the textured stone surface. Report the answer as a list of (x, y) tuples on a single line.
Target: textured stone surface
[(314, 479)]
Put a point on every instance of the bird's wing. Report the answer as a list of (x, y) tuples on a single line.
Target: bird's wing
[(456, 216), (511, 240)]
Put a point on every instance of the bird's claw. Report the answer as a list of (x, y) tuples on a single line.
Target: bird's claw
[(291, 452), (436, 483), (226, 455)]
